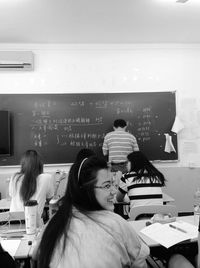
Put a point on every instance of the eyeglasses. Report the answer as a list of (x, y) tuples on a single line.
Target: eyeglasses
[(107, 187)]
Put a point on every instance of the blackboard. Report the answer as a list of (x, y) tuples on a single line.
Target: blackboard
[(59, 125)]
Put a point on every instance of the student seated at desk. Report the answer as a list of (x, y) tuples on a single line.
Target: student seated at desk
[(30, 183), (85, 232), (142, 183)]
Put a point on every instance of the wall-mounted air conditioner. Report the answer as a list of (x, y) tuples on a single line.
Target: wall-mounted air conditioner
[(16, 61)]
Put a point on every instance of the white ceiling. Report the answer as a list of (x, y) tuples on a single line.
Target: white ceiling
[(99, 21)]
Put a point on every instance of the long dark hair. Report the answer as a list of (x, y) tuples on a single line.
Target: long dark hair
[(31, 167), (144, 168), (84, 153), (79, 194)]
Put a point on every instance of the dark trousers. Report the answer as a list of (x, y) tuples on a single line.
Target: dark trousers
[(122, 166)]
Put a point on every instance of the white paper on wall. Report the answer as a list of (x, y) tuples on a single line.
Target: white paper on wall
[(177, 126), (169, 147)]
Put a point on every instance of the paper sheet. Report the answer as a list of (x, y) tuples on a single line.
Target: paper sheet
[(10, 245), (165, 235), (169, 147), (177, 126)]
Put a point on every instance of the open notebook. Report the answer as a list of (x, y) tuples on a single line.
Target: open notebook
[(169, 234)]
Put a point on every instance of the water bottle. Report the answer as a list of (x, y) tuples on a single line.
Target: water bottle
[(7, 189), (31, 216), (197, 206)]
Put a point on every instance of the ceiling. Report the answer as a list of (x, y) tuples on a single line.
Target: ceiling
[(99, 21)]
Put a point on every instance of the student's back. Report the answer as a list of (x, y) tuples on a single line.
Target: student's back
[(45, 190), (30, 183), (141, 192), (94, 239), (143, 183)]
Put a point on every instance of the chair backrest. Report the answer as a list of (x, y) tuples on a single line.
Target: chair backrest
[(153, 209), (12, 216)]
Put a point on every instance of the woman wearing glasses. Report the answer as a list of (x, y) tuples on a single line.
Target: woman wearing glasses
[(84, 232)]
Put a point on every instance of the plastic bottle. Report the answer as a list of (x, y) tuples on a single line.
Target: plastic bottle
[(7, 189), (197, 206), (31, 216)]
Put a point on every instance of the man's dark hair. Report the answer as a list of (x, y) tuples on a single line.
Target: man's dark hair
[(120, 123)]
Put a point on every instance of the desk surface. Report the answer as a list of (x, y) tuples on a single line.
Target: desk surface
[(138, 225), (24, 247)]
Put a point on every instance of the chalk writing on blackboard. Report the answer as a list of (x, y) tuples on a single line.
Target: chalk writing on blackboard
[(58, 125)]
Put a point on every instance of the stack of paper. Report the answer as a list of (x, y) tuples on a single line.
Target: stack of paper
[(170, 234)]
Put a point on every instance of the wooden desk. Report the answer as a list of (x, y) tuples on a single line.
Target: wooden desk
[(189, 249), (25, 245), (140, 224), (23, 250), (5, 206)]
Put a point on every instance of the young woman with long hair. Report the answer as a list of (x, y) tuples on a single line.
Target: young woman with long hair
[(30, 183), (85, 232), (143, 182)]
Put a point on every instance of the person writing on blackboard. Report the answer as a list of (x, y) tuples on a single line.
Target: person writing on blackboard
[(85, 232), (143, 182), (30, 183), (118, 144)]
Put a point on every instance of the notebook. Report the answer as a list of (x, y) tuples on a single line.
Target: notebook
[(170, 234)]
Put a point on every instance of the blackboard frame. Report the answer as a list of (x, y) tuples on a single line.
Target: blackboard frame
[(149, 116)]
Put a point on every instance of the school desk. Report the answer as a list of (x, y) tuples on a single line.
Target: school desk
[(5, 206), (140, 224), (10, 234), (187, 248)]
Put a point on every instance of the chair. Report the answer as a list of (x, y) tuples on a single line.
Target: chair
[(12, 216), (149, 210)]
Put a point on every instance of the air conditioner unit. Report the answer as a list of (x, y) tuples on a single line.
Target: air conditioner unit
[(16, 61)]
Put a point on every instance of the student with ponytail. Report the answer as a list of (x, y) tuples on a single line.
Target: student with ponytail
[(85, 232)]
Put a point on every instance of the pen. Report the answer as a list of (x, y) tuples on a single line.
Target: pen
[(177, 228)]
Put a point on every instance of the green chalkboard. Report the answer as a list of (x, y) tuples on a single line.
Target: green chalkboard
[(59, 125)]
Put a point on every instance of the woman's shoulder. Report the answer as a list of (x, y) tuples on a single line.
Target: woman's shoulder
[(45, 178), (45, 175), (15, 177), (129, 178), (109, 217), (128, 175)]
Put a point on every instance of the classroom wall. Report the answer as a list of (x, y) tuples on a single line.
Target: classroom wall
[(122, 68)]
